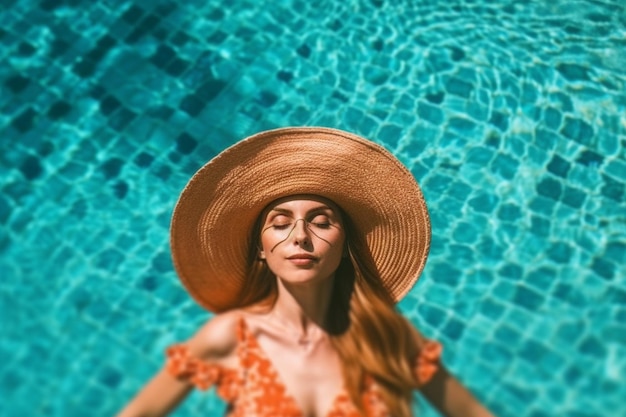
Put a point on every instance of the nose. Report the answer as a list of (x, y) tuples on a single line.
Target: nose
[(301, 232)]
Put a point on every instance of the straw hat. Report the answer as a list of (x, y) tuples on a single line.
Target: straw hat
[(216, 211)]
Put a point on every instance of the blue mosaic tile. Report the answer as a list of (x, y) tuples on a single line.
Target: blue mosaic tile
[(527, 298), (484, 202), (492, 309), (430, 113)]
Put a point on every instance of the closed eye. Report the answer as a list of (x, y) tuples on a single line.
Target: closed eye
[(282, 226), (321, 221), (322, 225)]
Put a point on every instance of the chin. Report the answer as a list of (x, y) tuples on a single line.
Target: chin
[(305, 277)]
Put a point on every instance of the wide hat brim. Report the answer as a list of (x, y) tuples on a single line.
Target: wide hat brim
[(216, 211)]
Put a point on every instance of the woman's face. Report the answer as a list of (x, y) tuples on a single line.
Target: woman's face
[(302, 238)]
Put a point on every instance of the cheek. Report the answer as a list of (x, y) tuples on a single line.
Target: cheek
[(339, 248), (267, 241), (263, 243)]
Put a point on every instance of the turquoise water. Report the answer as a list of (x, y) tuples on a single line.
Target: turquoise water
[(510, 114)]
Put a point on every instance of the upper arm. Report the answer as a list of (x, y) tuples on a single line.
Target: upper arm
[(158, 397), (214, 342), (441, 388), (450, 397)]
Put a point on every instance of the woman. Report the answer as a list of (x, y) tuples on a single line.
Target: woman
[(302, 240)]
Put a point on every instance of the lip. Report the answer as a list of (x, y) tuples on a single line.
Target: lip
[(302, 259), (302, 256)]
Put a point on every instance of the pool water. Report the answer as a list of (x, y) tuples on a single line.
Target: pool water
[(510, 114)]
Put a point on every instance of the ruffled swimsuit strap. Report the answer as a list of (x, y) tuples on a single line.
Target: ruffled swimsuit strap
[(243, 346), (185, 367), (427, 362), (182, 365)]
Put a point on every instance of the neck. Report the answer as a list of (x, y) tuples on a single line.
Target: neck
[(303, 308)]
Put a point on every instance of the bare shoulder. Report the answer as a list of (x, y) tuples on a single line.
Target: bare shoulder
[(217, 338)]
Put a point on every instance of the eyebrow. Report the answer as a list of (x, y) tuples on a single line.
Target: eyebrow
[(323, 207)]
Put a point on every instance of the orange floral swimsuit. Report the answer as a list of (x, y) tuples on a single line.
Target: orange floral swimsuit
[(256, 389)]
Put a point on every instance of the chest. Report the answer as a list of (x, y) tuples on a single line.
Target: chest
[(310, 376), (270, 381)]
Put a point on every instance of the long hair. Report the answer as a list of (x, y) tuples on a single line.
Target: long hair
[(371, 338), (379, 342)]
